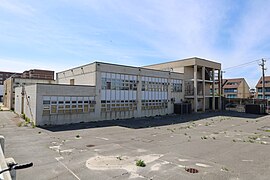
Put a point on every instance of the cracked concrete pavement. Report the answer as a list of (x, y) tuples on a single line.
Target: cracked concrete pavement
[(220, 145)]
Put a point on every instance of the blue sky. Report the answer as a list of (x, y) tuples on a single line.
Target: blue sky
[(62, 34)]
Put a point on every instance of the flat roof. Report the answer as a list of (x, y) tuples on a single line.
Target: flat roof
[(120, 65), (182, 60)]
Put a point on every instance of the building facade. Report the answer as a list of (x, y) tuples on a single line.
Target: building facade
[(38, 74), (11, 83), (236, 88), (199, 76), (3, 76), (6, 75), (101, 91), (47, 104), (259, 93)]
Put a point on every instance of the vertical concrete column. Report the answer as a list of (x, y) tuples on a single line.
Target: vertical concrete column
[(98, 93), (219, 89), (139, 96), (170, 104), (213, 90), (203, 78), (195, 84)]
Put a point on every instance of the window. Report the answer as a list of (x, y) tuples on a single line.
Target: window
[(231, 96), (61, 105), (230, 90), (108, 85), (176, 85), (232, 83), (46, 102), (267, 89)]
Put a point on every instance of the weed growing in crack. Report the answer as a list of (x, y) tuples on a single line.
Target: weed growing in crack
[(140, 163)]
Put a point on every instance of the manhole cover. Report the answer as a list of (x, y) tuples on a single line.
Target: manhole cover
[(192, 170), (90, 145)]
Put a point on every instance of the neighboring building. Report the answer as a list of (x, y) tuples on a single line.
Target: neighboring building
[(31, 74), (267, 88), (38, 74), (199, 76), (217, 88), (11, 83), (236, 88), (252, 93), (3, 77), (6, 75)]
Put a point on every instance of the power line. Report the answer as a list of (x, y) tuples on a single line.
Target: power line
[(241, 65)]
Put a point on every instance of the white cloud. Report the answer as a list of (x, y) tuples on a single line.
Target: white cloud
[(16, 7), (166, 30), (20, 65)]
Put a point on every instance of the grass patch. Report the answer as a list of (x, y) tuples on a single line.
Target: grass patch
[(268, 130), (33, 124), (140, 163)]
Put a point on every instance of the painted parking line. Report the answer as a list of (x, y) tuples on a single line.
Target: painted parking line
[(58, 159)]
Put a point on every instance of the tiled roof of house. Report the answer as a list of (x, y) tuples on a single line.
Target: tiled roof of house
[(267, 82), (233, 83)]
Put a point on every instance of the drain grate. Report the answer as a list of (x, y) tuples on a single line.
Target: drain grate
[(90, 145), (192, 170)]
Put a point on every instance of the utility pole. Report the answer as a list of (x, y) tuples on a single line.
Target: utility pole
[(222, 93), (263, 79)]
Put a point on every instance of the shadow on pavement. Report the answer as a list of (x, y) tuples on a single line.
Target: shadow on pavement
[(137, 123)]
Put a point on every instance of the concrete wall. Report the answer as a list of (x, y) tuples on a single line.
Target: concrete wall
[(34, 97), (30, 106), (10, 85), (18, 107), (140, 73), (243, 90), (8, 93), (43, 103), (83, 75)]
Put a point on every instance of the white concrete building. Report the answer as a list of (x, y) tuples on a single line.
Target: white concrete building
[(199, 76), (100, 91), (103, 91), (11, 83), (55, 104)]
